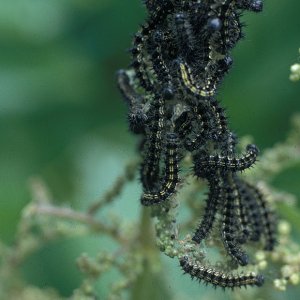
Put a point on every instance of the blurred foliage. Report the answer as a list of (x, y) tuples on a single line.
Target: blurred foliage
[(61, 116), (295, 71)]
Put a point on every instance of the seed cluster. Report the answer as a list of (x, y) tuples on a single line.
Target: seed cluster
[(179, 58)]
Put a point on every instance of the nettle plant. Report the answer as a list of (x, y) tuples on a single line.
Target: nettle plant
[(189, 160)]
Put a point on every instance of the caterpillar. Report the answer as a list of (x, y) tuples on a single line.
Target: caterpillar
[(240, 212), (230, 230), (150, 167), (159, 66), (138, 61), (137, 113), (212, 202), (217, 278), (158, 15), (253, 211), (226, 163), (171, 178), (268, 219)]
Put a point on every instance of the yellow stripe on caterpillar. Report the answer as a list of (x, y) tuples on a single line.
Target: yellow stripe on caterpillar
[(188, 82)]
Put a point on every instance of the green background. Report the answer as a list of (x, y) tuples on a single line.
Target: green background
[(62, 118)]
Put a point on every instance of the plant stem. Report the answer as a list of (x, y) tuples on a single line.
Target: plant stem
[(150, 284)]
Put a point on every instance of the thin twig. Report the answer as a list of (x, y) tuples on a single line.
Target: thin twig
[(70, 214), (116, 188)]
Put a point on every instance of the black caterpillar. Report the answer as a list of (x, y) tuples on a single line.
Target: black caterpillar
[(217, 278), (179, 58)]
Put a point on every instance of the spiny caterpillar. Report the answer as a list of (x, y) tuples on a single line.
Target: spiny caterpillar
[(217, 278), (227, 163), (179, 58), (150, 167), (212, 204), (170, 180), (230, 228)]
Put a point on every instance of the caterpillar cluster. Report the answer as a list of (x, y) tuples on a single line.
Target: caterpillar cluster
[(179, 58)]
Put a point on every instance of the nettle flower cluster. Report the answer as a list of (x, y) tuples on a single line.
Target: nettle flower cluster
[(179, 58)]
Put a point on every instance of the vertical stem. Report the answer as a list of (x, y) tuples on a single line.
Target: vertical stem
[(150, 284), (147, 235)]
